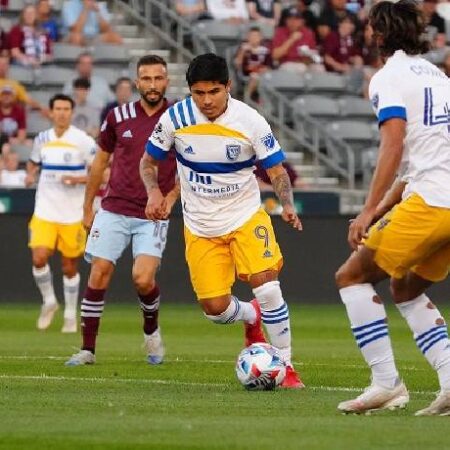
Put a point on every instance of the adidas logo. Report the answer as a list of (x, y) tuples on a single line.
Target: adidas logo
[(127, 134), (189, 150)]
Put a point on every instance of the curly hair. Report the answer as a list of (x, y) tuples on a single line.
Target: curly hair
[(400, 26)]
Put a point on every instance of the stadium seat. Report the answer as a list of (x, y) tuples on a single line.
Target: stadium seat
[(109, 74), (42, 96), (316, 106), (107, 54), (22, 74), (290, 84), (36, 123), (23, 151), (356, 108), (66, 53), (222, 34), (326, 83), (14, 8), (53, 76)]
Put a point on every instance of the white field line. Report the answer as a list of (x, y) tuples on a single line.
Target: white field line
[(200, 361), (44, 377)]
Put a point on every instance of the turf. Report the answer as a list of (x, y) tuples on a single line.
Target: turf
[(193, 400)]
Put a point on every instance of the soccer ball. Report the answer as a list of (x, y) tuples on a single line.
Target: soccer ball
[(260, 368)]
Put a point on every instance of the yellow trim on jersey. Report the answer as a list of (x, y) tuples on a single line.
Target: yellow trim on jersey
[(212, 129), (60, 144)]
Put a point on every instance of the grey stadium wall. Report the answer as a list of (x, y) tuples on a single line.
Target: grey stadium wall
[(310, 260)]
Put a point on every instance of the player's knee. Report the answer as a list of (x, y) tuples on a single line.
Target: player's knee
[(345, 277), (219, 310), (39, 259), (69, 268), (269, 295), (143, 283), (400, 291), (258, 279), (101, 272)]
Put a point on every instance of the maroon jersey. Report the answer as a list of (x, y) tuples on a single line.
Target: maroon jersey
[(124, 133)]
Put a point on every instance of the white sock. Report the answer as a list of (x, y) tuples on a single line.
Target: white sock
[(275, 316), (235, 311), (71, 290), (430, 333), (368, 321), (43, 278)]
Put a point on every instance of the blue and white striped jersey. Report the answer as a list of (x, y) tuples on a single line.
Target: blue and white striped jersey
[(215, 162)]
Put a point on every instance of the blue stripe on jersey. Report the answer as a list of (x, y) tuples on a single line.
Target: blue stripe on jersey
[(155, 152), (391, 112), (216, 167), (181, 112), (57, 167), (173, 118), (273, 159), (190, 110)]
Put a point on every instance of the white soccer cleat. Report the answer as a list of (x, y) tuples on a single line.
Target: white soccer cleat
[(375, 398), (46, 315), (438, 407), (154, 346), (70, 325), (81, 358)]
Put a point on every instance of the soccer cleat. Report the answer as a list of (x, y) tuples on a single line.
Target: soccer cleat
[(70, 326), (46, 315), (438, 407), (376, 398), (254, 332), (292, 380), (81, 358), (154, 346)]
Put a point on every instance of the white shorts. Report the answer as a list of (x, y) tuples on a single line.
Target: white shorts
[(111, 234)]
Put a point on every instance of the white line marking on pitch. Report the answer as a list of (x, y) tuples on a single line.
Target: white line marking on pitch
[(45, 377)]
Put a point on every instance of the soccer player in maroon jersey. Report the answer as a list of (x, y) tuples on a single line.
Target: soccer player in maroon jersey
[(122, 219)]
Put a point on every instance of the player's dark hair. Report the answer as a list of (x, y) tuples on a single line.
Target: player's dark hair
[(62, 97), (150, 60), (81, 83), (400, 25), (207, 67), (82, 55), (255, 28), (121, 80)]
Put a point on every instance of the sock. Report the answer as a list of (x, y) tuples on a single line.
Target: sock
[(369, 326), (235, 311), (275, 316), (71, 289), (43, 278), (150, 307), (91, 312), (430, 333)]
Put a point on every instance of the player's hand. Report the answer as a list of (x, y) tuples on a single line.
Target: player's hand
[(156, 205), (29, 180), (170, 200), (358, 228), (69, 180), (290, 216), (88, 218)]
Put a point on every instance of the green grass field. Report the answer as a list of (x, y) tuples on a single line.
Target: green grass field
[(193, 400)]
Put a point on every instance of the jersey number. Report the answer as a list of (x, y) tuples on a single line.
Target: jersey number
[(160, 230), (432, 117)]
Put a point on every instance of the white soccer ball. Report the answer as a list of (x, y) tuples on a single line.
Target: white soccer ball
[(260, 368)]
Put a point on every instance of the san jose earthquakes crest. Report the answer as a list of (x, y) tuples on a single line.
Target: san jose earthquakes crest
[(233, 151)]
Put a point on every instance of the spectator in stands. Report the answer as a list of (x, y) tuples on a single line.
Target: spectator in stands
[(230, 11), (340, 50), (252, 59), (87, 21), (30, 45), (10, 174), (302, 7), (336, 10), (124, 94), (85, 116), (100, 93), (190, 10), (265, 12), (435, 24), (294, 45), (12, 118), (446, 64), (46, 19)]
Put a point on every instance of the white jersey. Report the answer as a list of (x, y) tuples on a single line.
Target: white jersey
[(215, 162), (411, 88), (69, 154)]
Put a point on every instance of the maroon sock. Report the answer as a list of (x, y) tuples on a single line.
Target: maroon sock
[(91, 311), (150, 308)]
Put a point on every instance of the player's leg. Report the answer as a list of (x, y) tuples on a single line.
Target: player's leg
[(71, 242), (108, 237), (43, 236), (426, 322)]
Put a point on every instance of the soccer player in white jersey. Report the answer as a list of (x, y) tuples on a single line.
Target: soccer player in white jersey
[(217, 139), (410, 243), (62, 154)]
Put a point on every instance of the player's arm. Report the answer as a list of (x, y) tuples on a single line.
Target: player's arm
[(94, 181), (156, 203), (32, 171), (389, 157), (172, 197), (391, 198), (283, 189)]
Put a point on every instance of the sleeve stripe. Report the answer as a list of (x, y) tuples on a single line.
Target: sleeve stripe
[(155, 152), (190, 110), (117, 114), (273, 159), (391, 112), (181, 112), (173, 118)]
